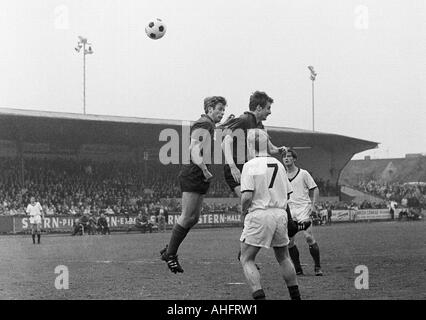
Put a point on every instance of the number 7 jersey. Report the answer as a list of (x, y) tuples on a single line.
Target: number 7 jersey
[(267, 179)]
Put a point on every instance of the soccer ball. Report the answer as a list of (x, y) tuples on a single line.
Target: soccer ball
[(155, 29)]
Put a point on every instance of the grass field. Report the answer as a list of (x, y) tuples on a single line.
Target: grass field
[(127, 266)]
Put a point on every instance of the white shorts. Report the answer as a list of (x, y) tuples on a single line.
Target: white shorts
[(266, 228), (301, 213), (35, 220)]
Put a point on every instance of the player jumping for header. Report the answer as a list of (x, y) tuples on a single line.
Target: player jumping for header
[(194, 178), (235, 147)]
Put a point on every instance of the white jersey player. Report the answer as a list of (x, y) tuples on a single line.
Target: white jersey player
[(302, 204), (263, 184), (35, 211)]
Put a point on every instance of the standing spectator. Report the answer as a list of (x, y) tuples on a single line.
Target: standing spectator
[(392, 207), (161, 221), (329, 212)]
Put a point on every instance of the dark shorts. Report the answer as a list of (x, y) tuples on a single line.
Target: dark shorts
[(229, 178), (191, 179)]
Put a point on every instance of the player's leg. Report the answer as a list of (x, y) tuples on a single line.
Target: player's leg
[(288, 271), (38, 229), (33, 231), (314, 251), (191, 209), (294, 255), (248, 255)]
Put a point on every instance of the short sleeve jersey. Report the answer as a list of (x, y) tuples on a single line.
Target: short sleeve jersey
[(244, 122), (268, 180), (204, 123), (302, 182), (34, 210)]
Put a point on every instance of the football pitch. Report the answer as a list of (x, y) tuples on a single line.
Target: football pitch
[(127, 266)]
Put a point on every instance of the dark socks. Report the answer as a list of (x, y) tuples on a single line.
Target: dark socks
[(38, 238), (294, 255), (314, 250), (294, 292), (33, 235), (178, 234), (259, 295)]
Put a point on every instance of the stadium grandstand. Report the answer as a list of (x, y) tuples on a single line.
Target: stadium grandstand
[(75, 163), (382, 180)]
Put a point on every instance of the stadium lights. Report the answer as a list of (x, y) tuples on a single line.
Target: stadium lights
[(82, 43), (313, 76)]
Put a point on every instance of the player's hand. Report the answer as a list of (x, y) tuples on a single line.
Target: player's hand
[(207, 175), (283, 150), (236, 174)]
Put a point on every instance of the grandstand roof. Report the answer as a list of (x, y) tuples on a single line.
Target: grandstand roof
[(46, 126)]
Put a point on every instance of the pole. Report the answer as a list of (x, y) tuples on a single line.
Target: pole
[(313, 108), (84, 78)]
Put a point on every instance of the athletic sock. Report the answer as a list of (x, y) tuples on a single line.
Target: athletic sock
[(315, 253), (294, 292), (294, 255), (259, 295), (178, 234), (33, 235), (38, 238)]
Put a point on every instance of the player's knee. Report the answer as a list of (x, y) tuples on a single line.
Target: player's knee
[(310, 239), (245, 258), (190, 221)]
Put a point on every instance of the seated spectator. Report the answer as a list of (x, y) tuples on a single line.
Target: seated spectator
[(103, 226), (142, 223)]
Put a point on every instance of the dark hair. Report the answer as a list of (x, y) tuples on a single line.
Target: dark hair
[(293, 153), (259, 98), (212, 102)]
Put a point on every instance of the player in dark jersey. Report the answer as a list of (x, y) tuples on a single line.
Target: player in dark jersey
[(194, 178), (235, 147)]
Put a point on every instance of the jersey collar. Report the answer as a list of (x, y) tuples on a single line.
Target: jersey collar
[(298, 170), (254, 116), (208, 117)]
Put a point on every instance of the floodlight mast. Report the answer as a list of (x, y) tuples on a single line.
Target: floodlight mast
[(313, 76), (82, 43)]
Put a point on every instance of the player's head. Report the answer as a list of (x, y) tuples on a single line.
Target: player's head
[(290, 157), (214, 107), (260, 103), (257, 143), (32, 200)]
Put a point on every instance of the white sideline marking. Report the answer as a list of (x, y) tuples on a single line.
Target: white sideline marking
[(235, 283)]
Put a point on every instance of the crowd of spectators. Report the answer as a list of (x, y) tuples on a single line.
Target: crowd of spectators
[(415, 193), (75, 187), (71, 187)]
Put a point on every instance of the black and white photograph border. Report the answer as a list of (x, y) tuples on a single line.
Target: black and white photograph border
[(200, 154)]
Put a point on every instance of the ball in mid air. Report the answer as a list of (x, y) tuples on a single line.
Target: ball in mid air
[(155, 29)]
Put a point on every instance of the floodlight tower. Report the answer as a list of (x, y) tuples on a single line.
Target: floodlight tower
[(313, 76), (82, 43)]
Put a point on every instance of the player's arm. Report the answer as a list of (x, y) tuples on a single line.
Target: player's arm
[(195, 150), (41, 210), (314, 195), (272, 149), (227, 150), (246, 199), (247, 189)]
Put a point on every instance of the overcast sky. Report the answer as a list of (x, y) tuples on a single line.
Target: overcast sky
[(369, 56)]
